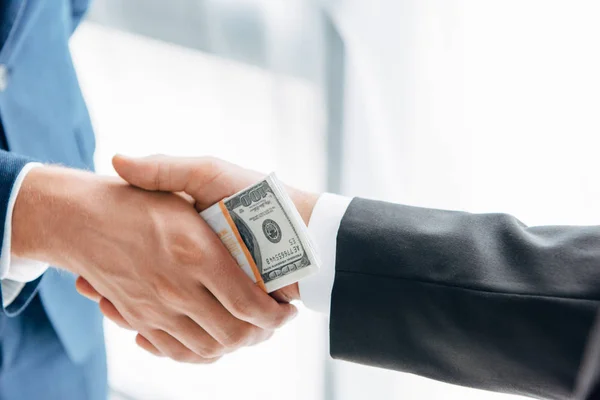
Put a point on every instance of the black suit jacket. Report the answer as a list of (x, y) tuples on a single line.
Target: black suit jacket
[(475, 300)]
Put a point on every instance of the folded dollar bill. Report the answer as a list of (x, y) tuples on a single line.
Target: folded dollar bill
[(263, 231)]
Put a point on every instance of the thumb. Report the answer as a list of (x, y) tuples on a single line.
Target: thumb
[(162, 173), (208, 180)]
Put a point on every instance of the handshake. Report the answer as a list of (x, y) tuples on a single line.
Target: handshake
[(143, 252)]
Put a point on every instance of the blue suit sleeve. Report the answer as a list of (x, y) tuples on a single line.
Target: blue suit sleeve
[(78, 10), (11, 165)]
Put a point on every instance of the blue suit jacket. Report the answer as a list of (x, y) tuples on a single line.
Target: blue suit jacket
[(45, 119)]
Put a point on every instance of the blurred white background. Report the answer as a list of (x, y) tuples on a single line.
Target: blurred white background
[(497, 106)]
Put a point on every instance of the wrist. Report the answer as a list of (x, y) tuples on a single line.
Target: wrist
[(47, 211), (304, 201)]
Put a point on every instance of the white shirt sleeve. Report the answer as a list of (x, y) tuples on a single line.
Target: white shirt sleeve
[(315, 291), (16, 272)]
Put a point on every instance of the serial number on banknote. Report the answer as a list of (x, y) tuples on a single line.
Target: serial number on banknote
[(295, 249)]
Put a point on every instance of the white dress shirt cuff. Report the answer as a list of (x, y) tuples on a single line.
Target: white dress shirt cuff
[(16, 272), (315, 291)]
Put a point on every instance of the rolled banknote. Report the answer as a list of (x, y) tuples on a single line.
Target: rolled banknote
[(263, 231)]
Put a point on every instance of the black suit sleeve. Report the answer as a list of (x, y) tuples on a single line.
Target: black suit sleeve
[(476, 300)]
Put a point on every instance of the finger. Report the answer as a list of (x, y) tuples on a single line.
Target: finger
[(286, 294), (146, 345), (195, 338), (231, 332), (240, 296), (235, 290), (110, 311), (174, 349), (163, 173), (207, 179), (262, 337), (86, 289)]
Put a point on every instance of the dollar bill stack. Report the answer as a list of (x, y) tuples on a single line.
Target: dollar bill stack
[(264, 232)]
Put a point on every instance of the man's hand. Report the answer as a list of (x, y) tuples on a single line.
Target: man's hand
[(156, 265), (207, 180)]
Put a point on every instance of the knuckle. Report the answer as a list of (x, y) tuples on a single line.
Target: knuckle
[(209, 169), (211, 350), (135, 316), (263, 336), (241, 308), (267, 336), (174, 324), (178, 354), (185, 250), (238, 337), (169, 294), (143, 317), (277, 320), (210, 164), (211, 360)]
